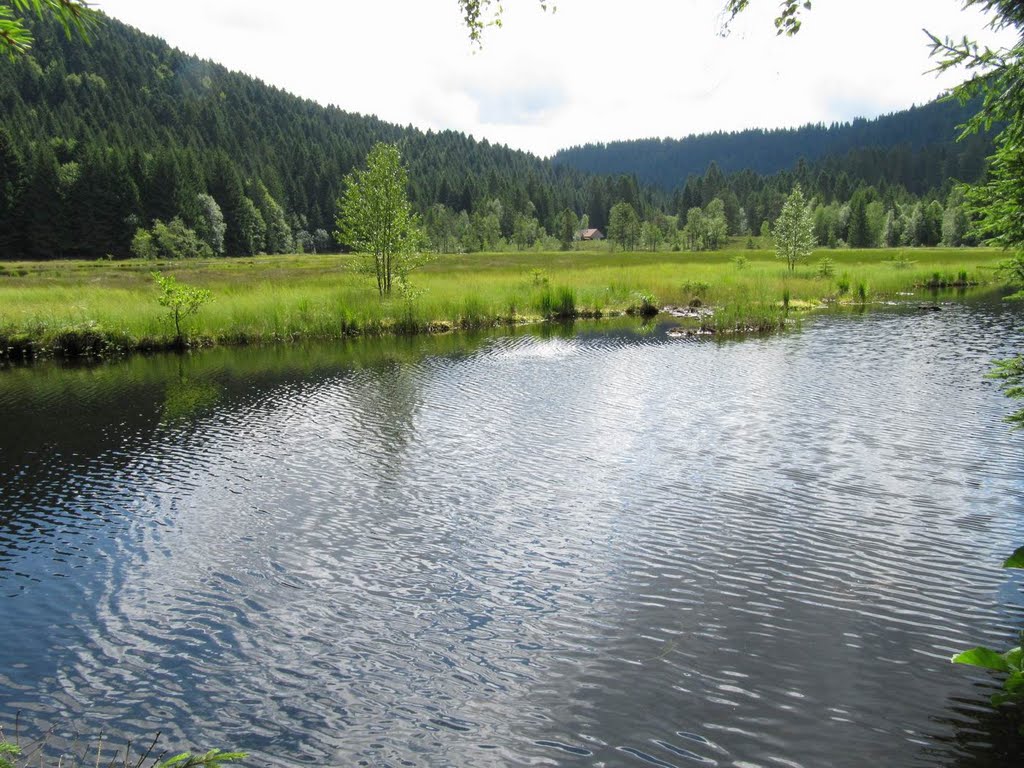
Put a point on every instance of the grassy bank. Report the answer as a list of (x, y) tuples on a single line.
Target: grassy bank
[(76, 307)]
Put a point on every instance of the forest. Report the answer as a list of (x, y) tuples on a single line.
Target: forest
[(127, 146)]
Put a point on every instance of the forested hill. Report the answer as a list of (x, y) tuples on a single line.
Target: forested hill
[(96, 140), (102, 142), (915, 148)]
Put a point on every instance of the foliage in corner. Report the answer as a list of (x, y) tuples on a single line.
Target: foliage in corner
[(1010, 663), (8, 752), (15, 40), (786, 23), (478, 14), (215, 758)]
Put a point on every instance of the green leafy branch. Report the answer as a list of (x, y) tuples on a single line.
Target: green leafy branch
[(1010, 662), (788, 22), (76, 16), (478, 15)]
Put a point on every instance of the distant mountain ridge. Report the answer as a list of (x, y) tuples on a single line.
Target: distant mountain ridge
[(667, 163)]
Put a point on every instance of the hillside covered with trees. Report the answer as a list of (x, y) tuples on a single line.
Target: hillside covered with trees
[(127, 145), (99, 139), (915, 148)]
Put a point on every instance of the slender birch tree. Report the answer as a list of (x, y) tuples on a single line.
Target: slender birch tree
[(794, 229), (376, 220)]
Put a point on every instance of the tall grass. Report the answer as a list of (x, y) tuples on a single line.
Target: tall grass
[(98, 308)]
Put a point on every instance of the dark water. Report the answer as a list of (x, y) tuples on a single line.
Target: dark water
[(586, 548)]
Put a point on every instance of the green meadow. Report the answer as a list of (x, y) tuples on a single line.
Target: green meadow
[(103, 307)]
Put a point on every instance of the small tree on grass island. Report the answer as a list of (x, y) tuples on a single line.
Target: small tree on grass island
[(794, 229), (181, 300), (376, 220)]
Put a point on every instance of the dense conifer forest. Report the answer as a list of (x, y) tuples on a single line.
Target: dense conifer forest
[(130, 146), (916, 149)]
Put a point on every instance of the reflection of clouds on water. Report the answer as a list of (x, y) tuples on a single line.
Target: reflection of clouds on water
[(529, 347), (681, 550)]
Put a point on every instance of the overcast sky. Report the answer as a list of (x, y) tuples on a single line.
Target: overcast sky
[(594, 70)]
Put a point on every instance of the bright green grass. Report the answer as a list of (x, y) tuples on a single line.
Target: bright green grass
[(74, 306)]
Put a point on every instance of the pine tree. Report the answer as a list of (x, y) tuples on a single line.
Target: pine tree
[(41, 207), (105, 203), (12, 181), (859, 231), (566, 229)]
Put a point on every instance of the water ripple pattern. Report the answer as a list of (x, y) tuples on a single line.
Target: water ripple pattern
[(600, 549)]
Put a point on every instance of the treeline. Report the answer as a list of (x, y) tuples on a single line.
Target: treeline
[(867, 220), (847, 212), (100, 141), (127, 146), (915, 149)]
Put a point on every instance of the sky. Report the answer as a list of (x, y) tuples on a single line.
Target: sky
[(591, 71)]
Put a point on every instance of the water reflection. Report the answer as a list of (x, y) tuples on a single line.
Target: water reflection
[(568, 547)]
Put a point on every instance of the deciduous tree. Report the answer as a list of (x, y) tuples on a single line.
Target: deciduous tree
[(624, 226), (210, 226), (794, 230), (375, 218), (180, 300)]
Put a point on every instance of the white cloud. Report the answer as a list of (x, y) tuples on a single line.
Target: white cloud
[(595, 70)]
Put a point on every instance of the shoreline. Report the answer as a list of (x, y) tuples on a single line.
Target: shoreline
[(94, 345), (98, 311)]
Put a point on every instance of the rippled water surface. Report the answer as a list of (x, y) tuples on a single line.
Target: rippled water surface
[(593, 547)]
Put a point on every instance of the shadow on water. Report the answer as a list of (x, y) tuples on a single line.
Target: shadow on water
[(975, 734)]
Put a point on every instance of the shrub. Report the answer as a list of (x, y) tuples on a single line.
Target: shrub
[(181, 300), (695, 287), (643, 304), (169, 241), (143, 245)]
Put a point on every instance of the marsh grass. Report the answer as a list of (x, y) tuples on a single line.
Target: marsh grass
[(73, 308)]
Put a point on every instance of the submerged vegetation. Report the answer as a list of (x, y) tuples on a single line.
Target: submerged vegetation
[(99, 308), (14, 755)]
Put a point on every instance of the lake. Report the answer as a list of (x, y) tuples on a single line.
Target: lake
[(588, 546)]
